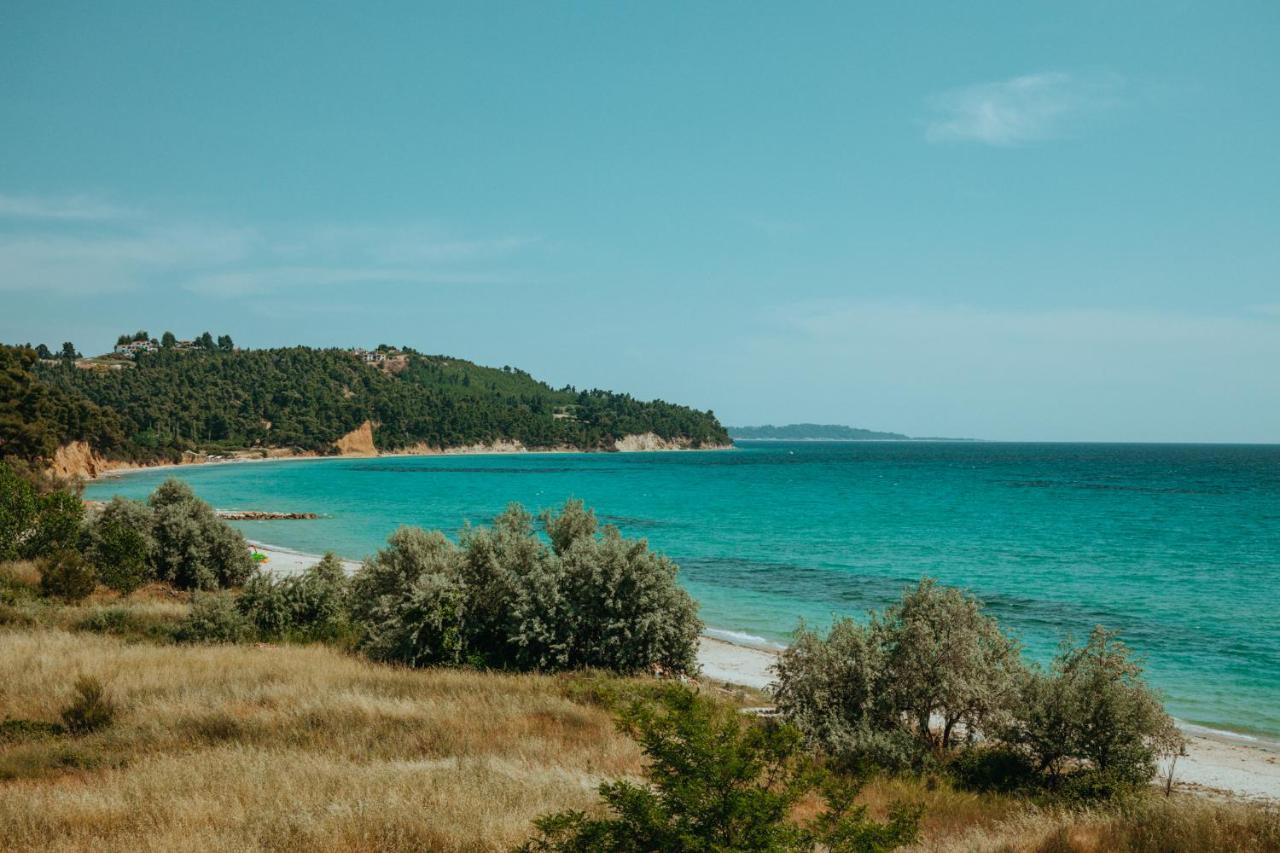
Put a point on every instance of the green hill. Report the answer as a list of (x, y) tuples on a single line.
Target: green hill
[(159, 404)]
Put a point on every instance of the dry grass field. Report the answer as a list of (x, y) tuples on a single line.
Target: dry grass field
[(310, 748)]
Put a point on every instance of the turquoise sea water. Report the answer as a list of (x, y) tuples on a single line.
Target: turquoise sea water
[(1176, 546)]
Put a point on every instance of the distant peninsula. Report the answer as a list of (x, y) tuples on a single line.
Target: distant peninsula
[(164, 400), (819, 432)]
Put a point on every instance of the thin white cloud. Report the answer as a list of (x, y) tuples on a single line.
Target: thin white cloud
[(1019, 110), (66, 208), (48, 252)]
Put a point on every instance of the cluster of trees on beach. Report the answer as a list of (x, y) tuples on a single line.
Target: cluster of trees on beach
[(932, 681), (217, 397)]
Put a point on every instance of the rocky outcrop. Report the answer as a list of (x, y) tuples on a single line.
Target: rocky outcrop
[(358, 442), (648, 441)]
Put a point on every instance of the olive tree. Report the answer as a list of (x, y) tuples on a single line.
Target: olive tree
[(1093, 711), (905, 684), (503, 598), (407, 600), (193, 548), (950, 665)]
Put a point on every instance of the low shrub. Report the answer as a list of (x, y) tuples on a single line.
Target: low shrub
[(119, 543), (68, 576), (994, 768), (90, 710), (720, 781), (310, 607), (130, 623), (17, 731), (214, 618)]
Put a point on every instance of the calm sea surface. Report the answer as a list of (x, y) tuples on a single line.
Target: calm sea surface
[(1178, 547)]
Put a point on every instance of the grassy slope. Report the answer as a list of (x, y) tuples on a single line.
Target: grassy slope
[(285, 748)]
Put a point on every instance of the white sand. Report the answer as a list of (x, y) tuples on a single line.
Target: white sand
[(1215, 764), (283, 561)]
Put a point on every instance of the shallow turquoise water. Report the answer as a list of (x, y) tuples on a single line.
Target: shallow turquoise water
[(1176, 546)]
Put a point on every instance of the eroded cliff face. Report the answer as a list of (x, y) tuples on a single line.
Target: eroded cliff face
[(77, 459), (358, 442)]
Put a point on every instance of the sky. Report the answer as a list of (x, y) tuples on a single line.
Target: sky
[(1021, 221)]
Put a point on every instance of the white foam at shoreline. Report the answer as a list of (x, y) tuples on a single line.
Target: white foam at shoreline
[(739, 638)]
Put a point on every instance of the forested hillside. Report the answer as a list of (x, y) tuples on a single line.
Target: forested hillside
[(165, 402)]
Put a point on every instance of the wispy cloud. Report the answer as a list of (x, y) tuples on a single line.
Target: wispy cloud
[(69, 246), (66, 208), (1019, 110)]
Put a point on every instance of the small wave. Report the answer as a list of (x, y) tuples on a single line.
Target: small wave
[(739, 638), (1194, 729)]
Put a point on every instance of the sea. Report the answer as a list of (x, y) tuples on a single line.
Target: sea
[(1177, 547)]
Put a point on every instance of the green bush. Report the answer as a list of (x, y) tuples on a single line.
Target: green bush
[(407, 600), (720, 782), (506, 599), (129, 623), (90, 710), (1093, 714), (897, 692), (68, 576), (119, 543), (17, 512), (59, 517), (34, 525), (214, 618), (994, 768), (193, 548), (308, 607)]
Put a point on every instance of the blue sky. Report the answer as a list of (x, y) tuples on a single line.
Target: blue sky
[(1013, 221)]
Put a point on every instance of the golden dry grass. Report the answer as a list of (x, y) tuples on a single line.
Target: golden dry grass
[(243, 748), (290, 747)]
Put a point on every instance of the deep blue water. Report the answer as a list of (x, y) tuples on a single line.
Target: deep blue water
[(1178, 547)]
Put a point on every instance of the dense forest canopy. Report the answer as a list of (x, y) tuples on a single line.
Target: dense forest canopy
[(158, 404)]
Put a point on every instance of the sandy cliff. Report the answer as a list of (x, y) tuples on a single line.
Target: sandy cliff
[(358, 442), (648, 441)]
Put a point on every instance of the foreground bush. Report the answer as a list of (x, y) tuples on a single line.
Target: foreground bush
[(1093, 717), (193, 548), (119, 543), (505, 599), (35, 522), (719, 782), (68, 576), (90, 710), (900, 690), (214, 619), (308, 607)]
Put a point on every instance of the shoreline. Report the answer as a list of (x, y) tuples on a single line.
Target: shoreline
[(1217, 763), (109, 470)]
